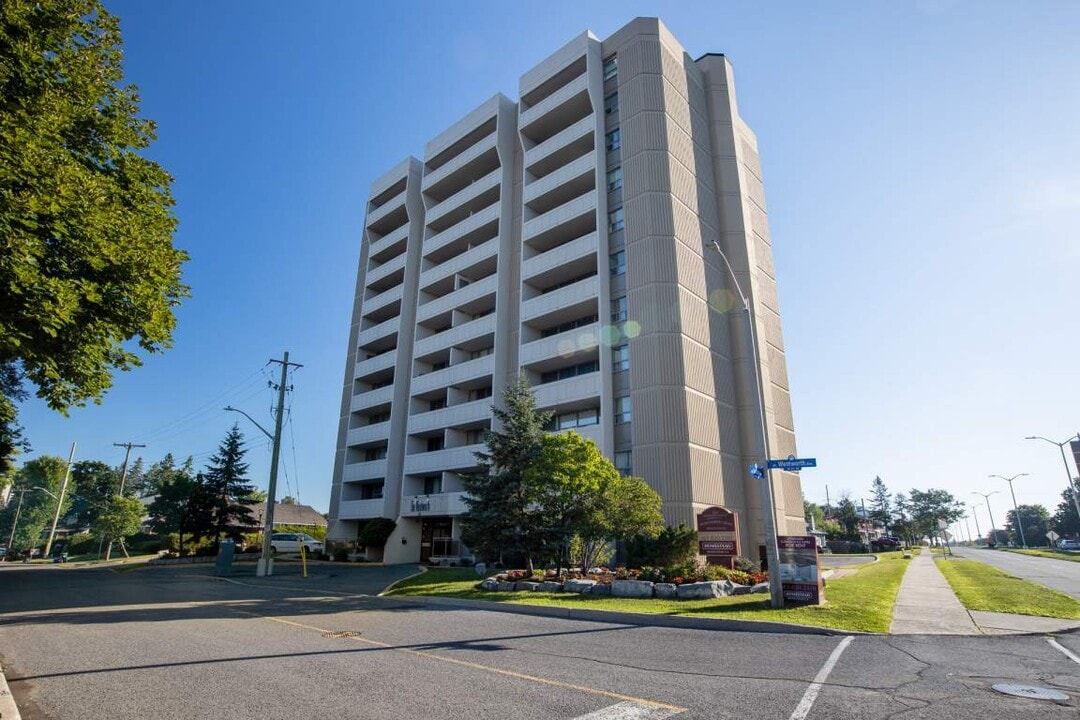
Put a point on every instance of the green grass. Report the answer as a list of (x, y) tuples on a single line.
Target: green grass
[(1046, 552), (861, 601), (981, 587)]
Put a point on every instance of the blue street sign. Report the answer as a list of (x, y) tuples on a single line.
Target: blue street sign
[(756, 471), (792, 463)]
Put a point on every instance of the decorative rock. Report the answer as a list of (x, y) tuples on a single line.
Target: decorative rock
[(505, 585), (600, 589), (666, 591), (526, 585), (481, 568), (550, 586), (741, 590), (578, 586), (760, 588), (632, 588), (490, 584), (702, 590)]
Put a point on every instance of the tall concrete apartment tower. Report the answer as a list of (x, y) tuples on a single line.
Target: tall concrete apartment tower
[(569, 237)]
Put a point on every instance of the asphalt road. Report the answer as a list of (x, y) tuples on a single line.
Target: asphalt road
[(1061, 575), (175, 643)]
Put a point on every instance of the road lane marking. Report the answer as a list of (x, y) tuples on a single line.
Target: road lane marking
[(808, 698), (628, 711), (652, 704), (1066, 651)]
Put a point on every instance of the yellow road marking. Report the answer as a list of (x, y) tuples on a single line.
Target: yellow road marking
[(485, 668)]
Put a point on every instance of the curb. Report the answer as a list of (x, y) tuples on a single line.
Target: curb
[(642, 619), (8, 709)]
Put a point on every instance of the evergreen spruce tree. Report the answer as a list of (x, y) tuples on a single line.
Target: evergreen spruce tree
[(226, 485)]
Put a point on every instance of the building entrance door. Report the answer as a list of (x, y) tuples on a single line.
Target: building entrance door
[(433, 534)]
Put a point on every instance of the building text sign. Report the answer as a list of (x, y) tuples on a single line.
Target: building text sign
[(718, 536), (800, 571)]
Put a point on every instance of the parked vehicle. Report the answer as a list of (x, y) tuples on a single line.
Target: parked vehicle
[(1069, 545), (885, 542), (291, 543)]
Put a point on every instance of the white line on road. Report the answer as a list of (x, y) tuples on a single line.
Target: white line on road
[(1067, 652), (807, 702), (629, 711)]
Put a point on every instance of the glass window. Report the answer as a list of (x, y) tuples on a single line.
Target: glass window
[(611, 67), (624, 462), (613, 140), (433, 484), (474, 437), (480, 393), (611, 103), (480, 353), (618, 310), (435, 443), (622, 410), (588, 417), (373, 454), (615, 220), (618, 263), (620, 358), (437, 404), (614, 178)]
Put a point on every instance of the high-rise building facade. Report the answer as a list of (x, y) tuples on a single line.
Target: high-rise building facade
[(570, 237)]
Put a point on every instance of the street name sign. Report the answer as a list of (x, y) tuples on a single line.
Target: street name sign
[(792, 463)]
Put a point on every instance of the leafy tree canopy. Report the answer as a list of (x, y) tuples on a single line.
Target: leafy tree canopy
[(45, 473), (1035, 523), (87, 264), (120, 519)]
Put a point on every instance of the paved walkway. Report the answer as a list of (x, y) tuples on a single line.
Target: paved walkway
[(927, 605)]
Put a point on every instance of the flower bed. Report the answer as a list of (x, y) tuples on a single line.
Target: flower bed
[(691, 581)]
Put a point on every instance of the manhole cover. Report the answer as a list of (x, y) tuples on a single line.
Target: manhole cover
[(1030, 691), (341, 634)]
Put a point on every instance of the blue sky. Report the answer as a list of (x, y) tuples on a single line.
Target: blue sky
[(922, 168)]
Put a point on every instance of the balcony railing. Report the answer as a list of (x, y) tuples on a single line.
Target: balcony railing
[(360, 509), (436, 504)]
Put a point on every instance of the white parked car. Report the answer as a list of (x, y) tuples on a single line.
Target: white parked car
[(1069, 545), (291, 543)]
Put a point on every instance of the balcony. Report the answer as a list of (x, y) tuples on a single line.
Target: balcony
[(583, 247), (383, 299), (372, 470), (378, 249), (469, 225), (377, 273), (577, 86), (552, 220), (458, 263), (387, 327), (582, 169), (372, 398), (580, 339), (551, 303), (455, 336), (464, 413), (368, 433), (435, 177), (568, 391), (561, 147), (458, 298), (385, 361), (377, 214), (458, 458), (454, 375), (463, 196), (360, 509), (435, 504)]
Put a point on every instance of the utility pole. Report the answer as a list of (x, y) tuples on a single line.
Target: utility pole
[(15, 525), (123, 477), (266, 563), (60, 501)]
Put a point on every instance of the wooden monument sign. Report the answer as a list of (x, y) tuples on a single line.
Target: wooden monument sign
[(718, 536)]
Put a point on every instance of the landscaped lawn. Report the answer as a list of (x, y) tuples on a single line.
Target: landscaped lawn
[(862, 600), (1046, 552), (981, 587)]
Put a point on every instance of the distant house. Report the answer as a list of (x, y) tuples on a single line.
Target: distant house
[(289, 514)]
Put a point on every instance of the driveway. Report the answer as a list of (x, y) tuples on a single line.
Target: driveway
[(1061, 575)]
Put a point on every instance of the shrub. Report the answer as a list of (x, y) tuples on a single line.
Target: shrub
[(747, 565), (673, 546), (376, 531)]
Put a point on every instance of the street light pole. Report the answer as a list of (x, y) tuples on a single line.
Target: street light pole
[(978, 531), (60, 501), (1068, 475), (986, 496), (1016, 508), (772, 552)]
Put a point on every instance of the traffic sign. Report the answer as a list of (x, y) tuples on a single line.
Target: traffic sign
[(1052, 536), (757, 471), (792, 463)]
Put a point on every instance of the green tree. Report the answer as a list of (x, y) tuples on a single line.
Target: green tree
[(1035, 523), (881, 509), (497, 499), (120, 519), (927, 507), (88, 271), (815, 511), (38, 507), (226, 487), (1065, 521), (848, 517), (94, 483), (179, 503)]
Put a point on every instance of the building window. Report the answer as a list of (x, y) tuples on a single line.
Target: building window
[(433, 484), (373, 454), (611, 67), (479, 393), (371, 491), (618, 310), (618, 263), (476, 354), (574, 419), (569, 372), (569, 325), (475, 437), (622, 410), (461, 281), (441, 365), (435, 443), (624, 462), (611, 103), (437, 404), (378, 418), (615, 220), (613, 140), (614, 178), (620, 358)]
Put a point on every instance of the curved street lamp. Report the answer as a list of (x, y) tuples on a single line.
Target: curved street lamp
[(1016, 508), (986, 496), (1068, 475)]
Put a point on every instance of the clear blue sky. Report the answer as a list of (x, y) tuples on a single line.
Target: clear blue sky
[(922, 168)]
